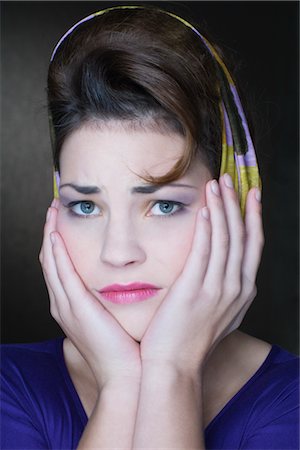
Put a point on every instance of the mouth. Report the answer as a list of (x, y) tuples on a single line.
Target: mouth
[(128, 293)]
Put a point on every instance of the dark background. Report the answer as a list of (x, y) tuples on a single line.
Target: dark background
[(262, 37)]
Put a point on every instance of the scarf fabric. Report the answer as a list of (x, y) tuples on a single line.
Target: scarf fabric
[(238, 154)]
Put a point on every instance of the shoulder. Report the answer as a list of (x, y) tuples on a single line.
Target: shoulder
[(274, 413), (264, 413), (37, 397), (282, 367), (25, 350), (278, 381), (29, 360), (30, 371)]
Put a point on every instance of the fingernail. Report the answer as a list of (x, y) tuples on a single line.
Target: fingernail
[(258, 194), (48, 214), (52, 237), (205, 213), (215, 188), (228, 180)]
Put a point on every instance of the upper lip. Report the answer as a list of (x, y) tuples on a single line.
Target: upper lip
[(128, 287)]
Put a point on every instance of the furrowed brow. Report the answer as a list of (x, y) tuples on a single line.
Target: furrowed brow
[(145, 189), (86, 190), (150, 188)]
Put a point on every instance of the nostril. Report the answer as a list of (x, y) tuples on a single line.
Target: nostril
[(121, 245), (121, 255)]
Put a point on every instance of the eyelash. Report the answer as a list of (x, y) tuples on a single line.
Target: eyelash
[(181, 206), (80, 216)]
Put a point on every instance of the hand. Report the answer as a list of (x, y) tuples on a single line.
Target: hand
[(217, 284), (109, 351)]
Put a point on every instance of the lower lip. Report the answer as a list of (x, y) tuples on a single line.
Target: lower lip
[(127, 297)]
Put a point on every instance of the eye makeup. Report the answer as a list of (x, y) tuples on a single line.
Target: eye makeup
[(166, 203), (166, 208)]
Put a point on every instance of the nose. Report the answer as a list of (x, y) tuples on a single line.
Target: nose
[(120, 245)]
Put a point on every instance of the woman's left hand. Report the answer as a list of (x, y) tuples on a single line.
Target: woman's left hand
[(216, 286)]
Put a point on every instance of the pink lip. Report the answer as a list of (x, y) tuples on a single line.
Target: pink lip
[(128, 293)]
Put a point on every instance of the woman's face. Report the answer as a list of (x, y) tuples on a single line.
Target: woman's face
[(124, 231)]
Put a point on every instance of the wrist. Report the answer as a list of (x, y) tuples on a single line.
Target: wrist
[(120, 377), (166, 372), (122, 383), (123, 394)]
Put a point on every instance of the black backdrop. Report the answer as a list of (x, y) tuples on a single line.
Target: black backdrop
[(262, 37)]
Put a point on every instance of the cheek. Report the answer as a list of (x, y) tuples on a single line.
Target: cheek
[(171, 245), (166, 243)]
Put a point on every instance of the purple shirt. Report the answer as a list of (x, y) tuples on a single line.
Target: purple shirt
[(40, 408)]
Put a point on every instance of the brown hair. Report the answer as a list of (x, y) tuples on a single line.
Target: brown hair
[(144, 68)]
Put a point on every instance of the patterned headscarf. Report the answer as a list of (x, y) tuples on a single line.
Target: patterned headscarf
[(238, 154)]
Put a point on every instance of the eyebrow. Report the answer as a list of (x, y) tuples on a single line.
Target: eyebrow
[(145, 189), (82, 189), (150, 188)]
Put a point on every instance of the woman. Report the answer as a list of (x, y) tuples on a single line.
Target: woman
[(145, 118)]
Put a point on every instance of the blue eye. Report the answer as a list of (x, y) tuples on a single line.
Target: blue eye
[(84, 208), (166, 208), (87, 208)]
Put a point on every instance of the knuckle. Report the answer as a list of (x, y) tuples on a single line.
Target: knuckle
[(234, 290), (41, 257), (224, 240), (205, 251), (212, 293), (54, 311), (240, 233)]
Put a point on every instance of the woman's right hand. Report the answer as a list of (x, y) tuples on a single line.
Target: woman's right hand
[(111, 353)]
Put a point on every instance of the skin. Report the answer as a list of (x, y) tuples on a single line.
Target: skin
[(127, 239), (204, 259)]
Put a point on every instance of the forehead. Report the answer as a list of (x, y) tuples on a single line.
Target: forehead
[(104, 150)]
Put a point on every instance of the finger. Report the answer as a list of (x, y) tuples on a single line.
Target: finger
[(197, 261), (52, 304), (47, 230), (254, 236), (83, 305), (48, 262), (41, 254), (219, 239), (236, 229)]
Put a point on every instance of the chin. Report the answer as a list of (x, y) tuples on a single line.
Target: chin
[(134, 318)]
